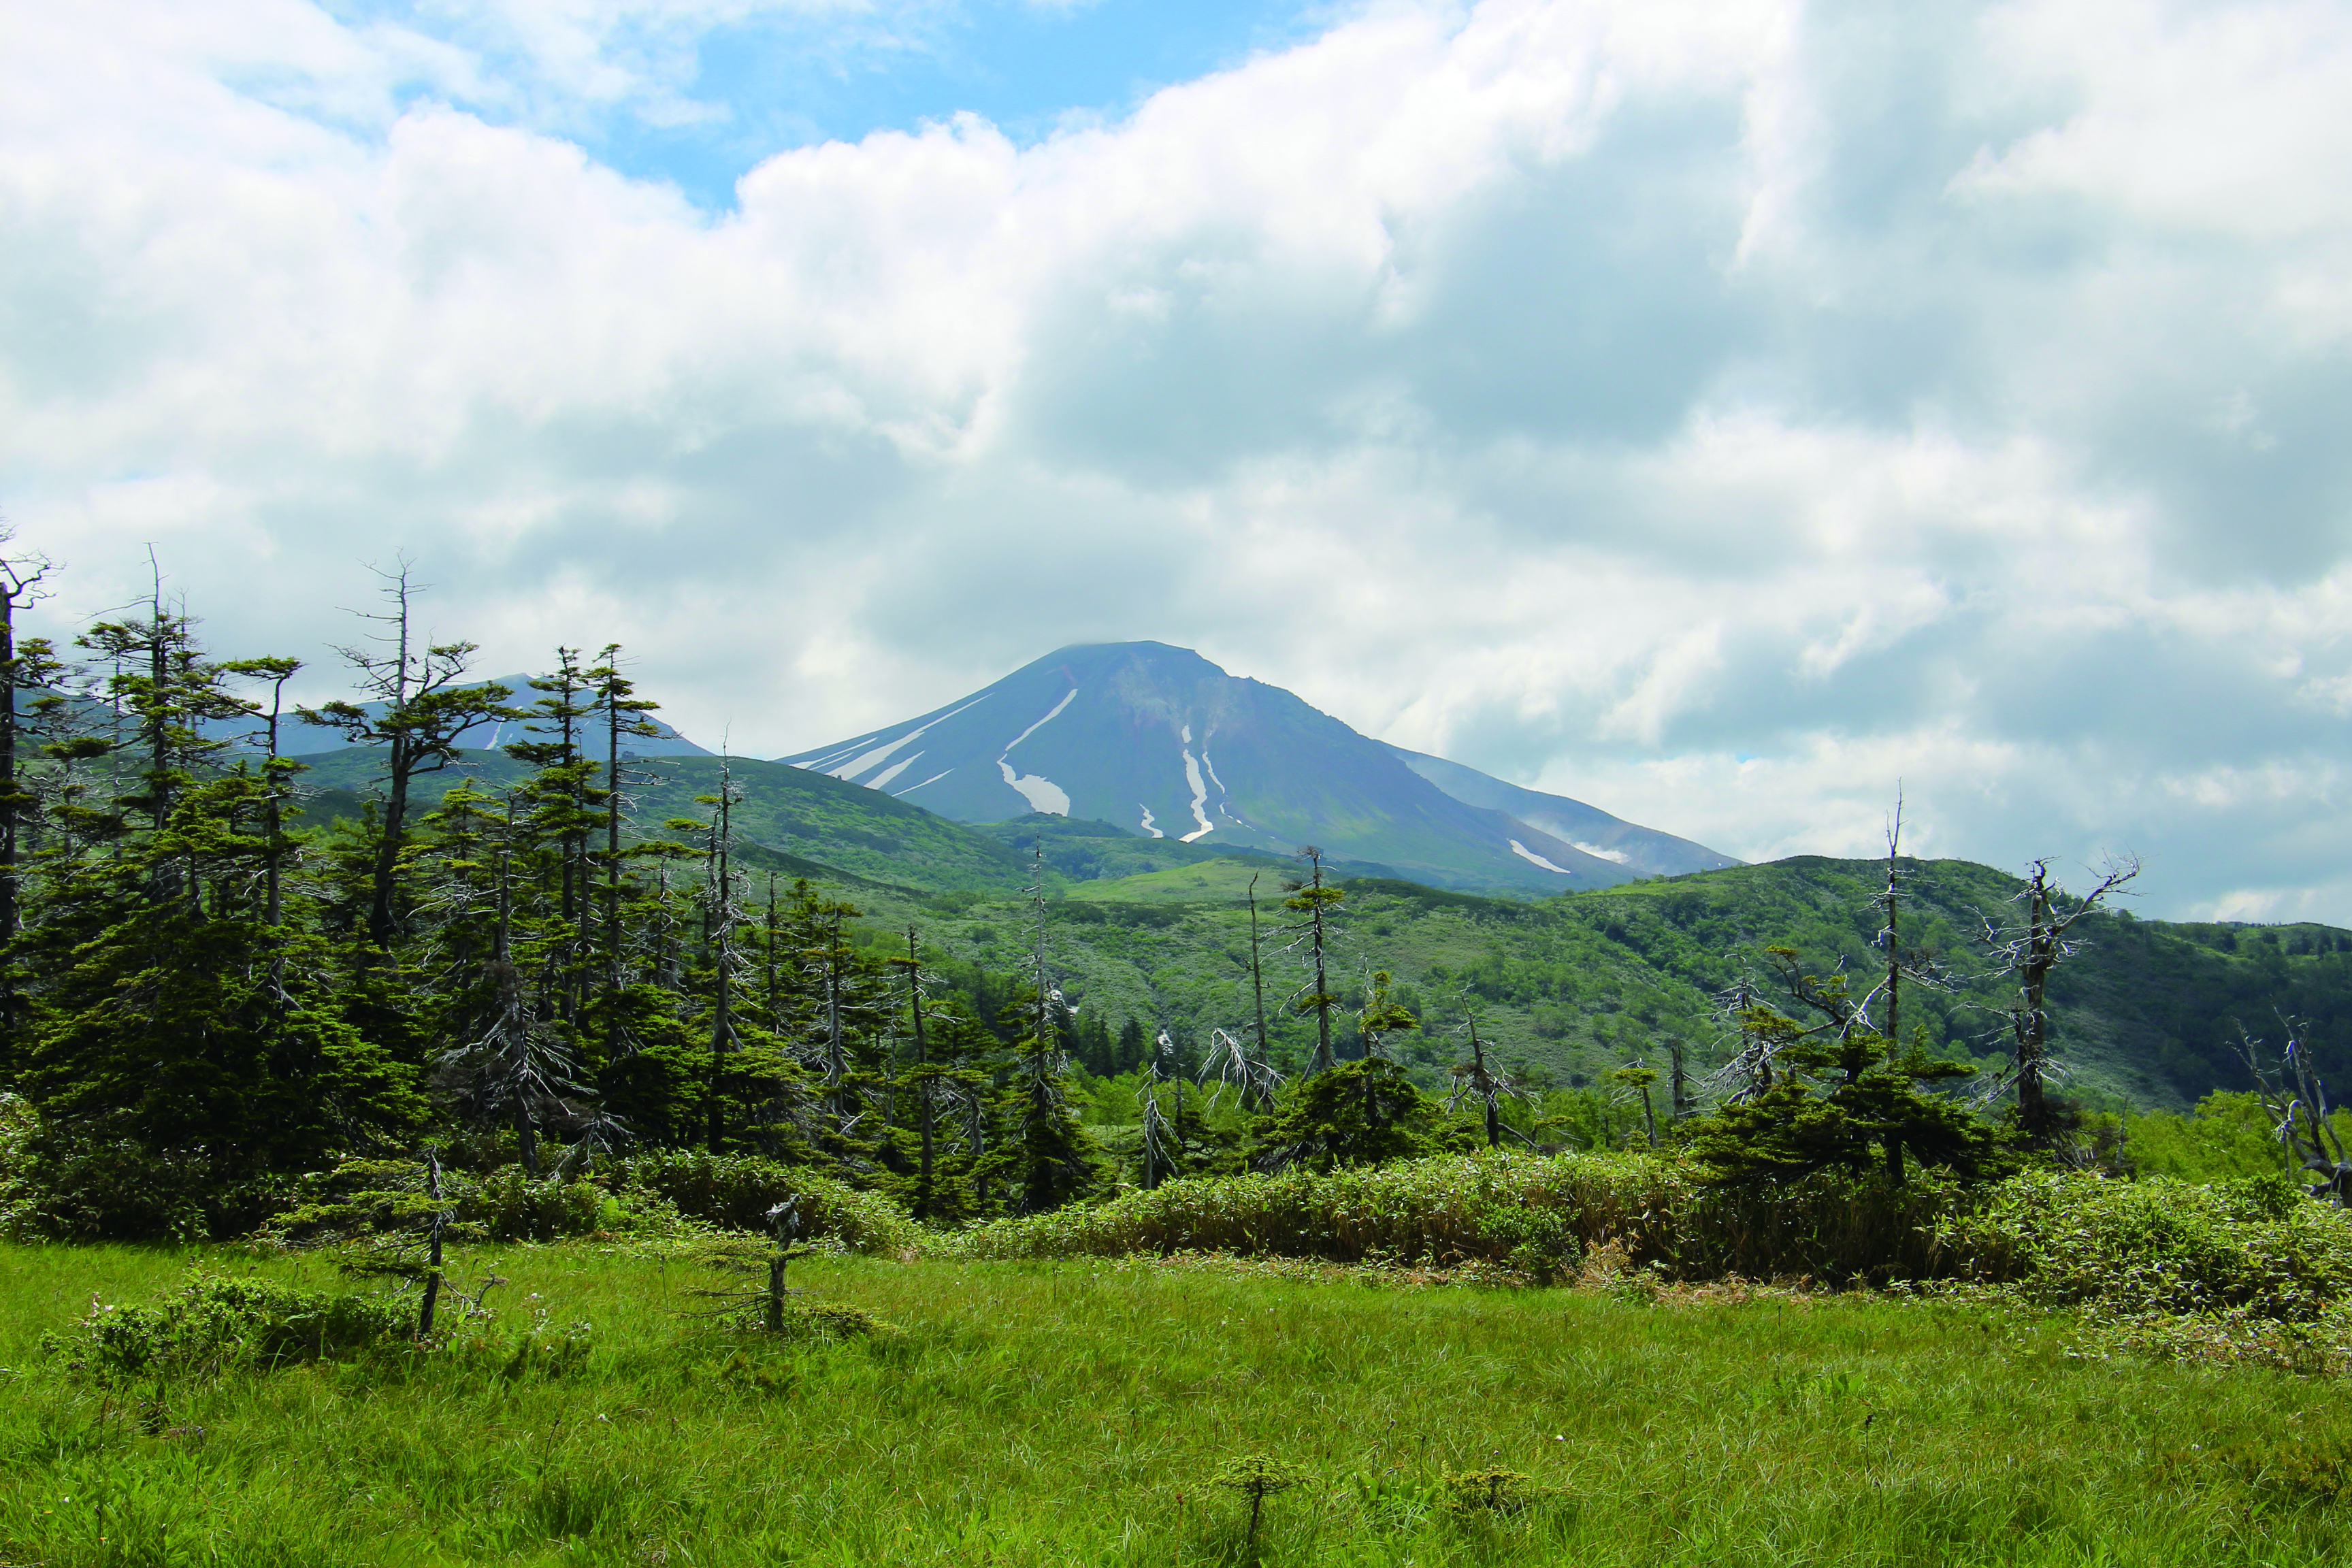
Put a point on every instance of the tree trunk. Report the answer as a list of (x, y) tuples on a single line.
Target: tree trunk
[(925, 1199)]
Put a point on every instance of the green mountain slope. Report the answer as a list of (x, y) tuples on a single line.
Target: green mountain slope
[(806, 816), (1158, 929), (1580, 983)]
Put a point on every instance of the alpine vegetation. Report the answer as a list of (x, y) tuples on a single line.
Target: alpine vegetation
[(469, 1090)]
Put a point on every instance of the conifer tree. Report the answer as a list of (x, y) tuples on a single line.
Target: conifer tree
[(26, 666), (624, 714), (1058, 1156), (1316, 903), (420, 709), (921, 1079), (1842, 1097)]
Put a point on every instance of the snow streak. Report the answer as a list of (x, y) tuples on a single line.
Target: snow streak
[(1147, 822), (1200, 794), (881, 754), (1524, 853), (882, 780), (1042, 793)]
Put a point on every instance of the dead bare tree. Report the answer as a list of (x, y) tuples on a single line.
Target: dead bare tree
[(1479, 1079), (1257, 974), (1229, 1061), (1750, 1071), (2297, 1097), (1158, 1160), (2028, 951), (1884, 1003)]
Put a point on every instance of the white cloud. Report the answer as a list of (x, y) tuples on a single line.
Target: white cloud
[(1715, 412)]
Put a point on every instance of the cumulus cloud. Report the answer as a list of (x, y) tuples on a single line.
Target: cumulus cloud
[(1715, 412)]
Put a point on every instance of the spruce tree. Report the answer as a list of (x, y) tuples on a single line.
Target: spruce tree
[(418, 709), (1316, 903)]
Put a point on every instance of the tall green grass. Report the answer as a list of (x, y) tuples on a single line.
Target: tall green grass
[(1073, 1411)]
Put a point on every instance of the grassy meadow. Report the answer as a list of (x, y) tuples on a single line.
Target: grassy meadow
[(1072, 1412)]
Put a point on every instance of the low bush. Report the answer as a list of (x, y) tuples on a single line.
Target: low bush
[(2256, 1248), (737, 1192), (95, 1181), (376, 1197), (215, 1322), (1534, 1215)]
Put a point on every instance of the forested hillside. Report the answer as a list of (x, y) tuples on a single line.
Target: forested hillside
[(2148, 1012), (232, 960)]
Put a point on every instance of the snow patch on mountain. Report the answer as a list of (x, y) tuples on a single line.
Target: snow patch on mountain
[(882, 780), (1147, 822), (1524, 853), (925, 784), (1054, 713), (1042, 793), (881, 754), (1200, 794)]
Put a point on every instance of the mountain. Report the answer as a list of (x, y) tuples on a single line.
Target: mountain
[(1159, 742), (792, 821), (300, 737), (1643, 851)]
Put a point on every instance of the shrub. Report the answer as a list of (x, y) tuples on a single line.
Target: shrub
[(736, 1192), (1534, 1215), (2256, 1248), (95, 1180), (97, 1184), (214, 1323), (18, 1207), (379, 1197)]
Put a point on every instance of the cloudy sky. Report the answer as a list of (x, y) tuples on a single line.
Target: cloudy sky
[(1718, 412)]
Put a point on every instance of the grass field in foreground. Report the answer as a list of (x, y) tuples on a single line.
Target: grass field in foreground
[(1033, 1414)]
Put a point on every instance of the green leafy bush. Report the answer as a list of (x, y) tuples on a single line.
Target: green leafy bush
[(215, 1322), (2228, 1136), (2257, 1249), (97, 1183), (736, 1192), (18, 1205), (377, 1197), (1534, 1215)]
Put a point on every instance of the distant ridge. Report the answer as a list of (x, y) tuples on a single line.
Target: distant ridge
[(310, 738), (1161, 743)]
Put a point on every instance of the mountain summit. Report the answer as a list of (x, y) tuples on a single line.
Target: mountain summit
[(1163, 743)]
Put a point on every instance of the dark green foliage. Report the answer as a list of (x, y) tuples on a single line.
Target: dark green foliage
[(1833, 1094), (211, 996), (216, 1323), (1879, 1114), (741, 1192), (1257, 1476), (367, 1198), (1364, 1112)]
